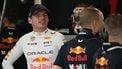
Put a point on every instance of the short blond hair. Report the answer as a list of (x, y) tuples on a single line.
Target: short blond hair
[(88, 15), (114, 24)]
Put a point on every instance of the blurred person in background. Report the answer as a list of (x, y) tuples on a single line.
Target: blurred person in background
[(9, 35), (76, 20), (75, 16), (110, 54)]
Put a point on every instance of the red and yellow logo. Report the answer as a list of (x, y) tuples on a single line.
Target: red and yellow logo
[(40, 59), (77, 50), (9, 40), (102, 61)]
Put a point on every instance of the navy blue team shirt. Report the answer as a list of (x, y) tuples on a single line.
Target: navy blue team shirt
[(109, 56), (78, 52)]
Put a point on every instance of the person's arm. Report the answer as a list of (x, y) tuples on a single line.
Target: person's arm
[(59, 62), (12, 56), (57, 67), (60, 40)]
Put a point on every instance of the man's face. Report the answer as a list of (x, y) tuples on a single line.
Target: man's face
[(6, 22), (77, 10), (39, 20)]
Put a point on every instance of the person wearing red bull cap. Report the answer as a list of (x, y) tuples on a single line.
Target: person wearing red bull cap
[(40, 46), (109, 56), (78, 52)]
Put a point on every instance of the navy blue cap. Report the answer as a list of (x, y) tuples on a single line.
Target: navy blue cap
[(37, 8)]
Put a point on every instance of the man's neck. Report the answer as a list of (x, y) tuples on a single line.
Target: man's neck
[(115, 39), (40, 30)]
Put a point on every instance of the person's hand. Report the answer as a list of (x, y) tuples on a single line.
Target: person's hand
[(56, 67)]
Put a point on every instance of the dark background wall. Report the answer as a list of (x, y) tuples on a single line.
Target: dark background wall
[(60, 10)]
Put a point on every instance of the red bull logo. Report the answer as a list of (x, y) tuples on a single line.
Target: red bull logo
[(102, 61), (40, 59), (41, 66), (77, 50), (9, 40)]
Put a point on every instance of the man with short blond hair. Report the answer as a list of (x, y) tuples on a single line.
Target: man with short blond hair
[(78, 53), (109, 55)]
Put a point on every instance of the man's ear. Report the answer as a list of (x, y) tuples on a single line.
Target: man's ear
[(29, 20), (94, 25)]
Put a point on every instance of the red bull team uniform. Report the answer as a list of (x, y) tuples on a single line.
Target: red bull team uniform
[(78, 53), (40, 49), (8, 38), (109, 56)]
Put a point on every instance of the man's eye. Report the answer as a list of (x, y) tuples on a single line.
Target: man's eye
[(41, 15)]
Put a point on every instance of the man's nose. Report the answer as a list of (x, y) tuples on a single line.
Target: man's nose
[(42, 15)]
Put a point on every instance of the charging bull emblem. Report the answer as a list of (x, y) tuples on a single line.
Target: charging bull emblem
[(77, 50), (40, 59), (102, 61), (9, 40)]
